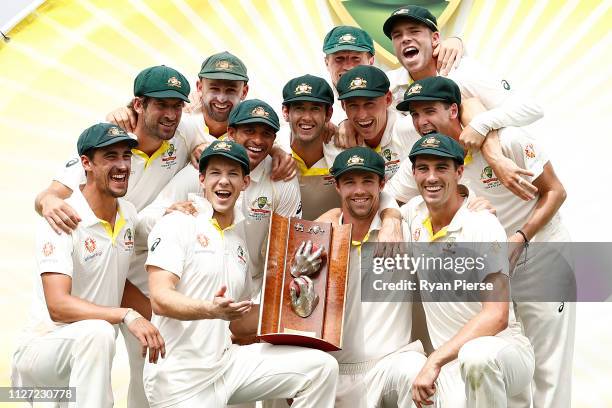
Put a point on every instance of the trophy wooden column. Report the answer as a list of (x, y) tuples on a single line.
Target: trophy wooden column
[(278, 322)]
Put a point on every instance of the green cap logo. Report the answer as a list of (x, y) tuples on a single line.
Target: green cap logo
[(347, 39), (260, 111), (222, 146), (401, 11), (355, 160), (303, 89), (114, 132), (172, 81), (357, 83), (414, 89), (430, 142), (224, 65)]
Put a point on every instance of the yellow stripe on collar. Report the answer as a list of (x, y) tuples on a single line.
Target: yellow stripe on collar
[(359, 243), (468, 158), (148, 160), (308, 172), (442, 233), (215, 224), (222, 137), (119, 224)]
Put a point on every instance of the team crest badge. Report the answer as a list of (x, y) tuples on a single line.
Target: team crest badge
[(90, 244), (224, 65), (486, 173), (430, 142), (387, 154), (262, 201), (203, 240), (303, 89), (170, 150), (115, 131), (370, 16), (358, 83), (355, 160), (172, 81), (48, 249), (529, 151), (260, 111), (347, 39), (414, 89), (223, 146)]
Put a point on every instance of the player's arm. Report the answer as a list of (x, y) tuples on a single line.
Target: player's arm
[(167, 301), (247, 325), (288, 198), (448, 54), (283, 164), (506, 170), (50, 204), (133, 298), (551, 197), (492, 319), (125, 117)]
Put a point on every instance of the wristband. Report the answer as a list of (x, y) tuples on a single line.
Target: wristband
[(130, 316), (524, 237)]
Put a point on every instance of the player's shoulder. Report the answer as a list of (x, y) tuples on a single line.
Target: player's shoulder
[(413, 207), (128, 209), (481, 225)]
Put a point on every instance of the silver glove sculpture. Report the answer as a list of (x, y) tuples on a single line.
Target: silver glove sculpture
[(303, 296)]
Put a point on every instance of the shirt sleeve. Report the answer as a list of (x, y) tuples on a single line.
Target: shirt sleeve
[(71, 174), (192, 128), (491, 245), (168, 243), (402, 186), (505, 106), (288, 199), (53, 252), (526, 153)]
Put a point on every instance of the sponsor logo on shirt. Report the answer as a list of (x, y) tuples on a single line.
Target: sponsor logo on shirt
[(72, 162), (202, 240), (90, 246), (155, 244), (241, 255), (260, 208), (169, 157), (488, 178), (128, 239), (48, 249), (529, 151)]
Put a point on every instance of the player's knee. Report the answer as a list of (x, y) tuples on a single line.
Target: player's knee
[(409, 366), (476, 363), (328, 365), (98, 334)]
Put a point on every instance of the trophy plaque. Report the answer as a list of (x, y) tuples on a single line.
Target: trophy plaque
[(305, 283)]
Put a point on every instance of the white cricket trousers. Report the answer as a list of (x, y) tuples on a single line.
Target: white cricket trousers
[(76, 355), (488, 372), (384, 383), (136, 397), (550, 326), (263, 371)]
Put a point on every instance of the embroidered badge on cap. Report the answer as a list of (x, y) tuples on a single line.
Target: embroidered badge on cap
[(358, 83), (172, 81), (347, 39), (355, 160), (401, 11), (260, 111), (430, 142), (223, 64), (414, 89), (303, 89), (222, 146)]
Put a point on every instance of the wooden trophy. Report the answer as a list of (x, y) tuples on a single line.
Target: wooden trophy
[(304, 309)]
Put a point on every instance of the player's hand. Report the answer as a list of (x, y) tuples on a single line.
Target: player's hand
[(283, 165), (196, 153), (195, 104), (186, 207), (511, 176), (306, 262), (481, 204), (390, 238), (516, 245), (471, 139), (448, 53), (347, 136), (329, 132), (123, 117), (60, 216), (225, 308), (424, 385), (149, 338)]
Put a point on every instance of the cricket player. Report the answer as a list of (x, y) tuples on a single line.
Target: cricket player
[(199, 280), (70, 340), (345, 47), (433, 103), (222, 84), (378, 361), (165, 146), (366, 99), (414, 33), (253, 124), (481, 358)]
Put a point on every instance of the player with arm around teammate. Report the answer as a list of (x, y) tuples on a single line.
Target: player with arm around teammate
[(199, 280)]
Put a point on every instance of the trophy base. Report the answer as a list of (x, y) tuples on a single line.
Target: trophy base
[(302, 340)]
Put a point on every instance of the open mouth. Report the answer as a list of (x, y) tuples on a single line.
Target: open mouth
[(305, 128), (223, 194), (360, 200), (168, 125), (255, 150), (221, 106), (365, 124), (433, 189), (410, 52), (118, 178)]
